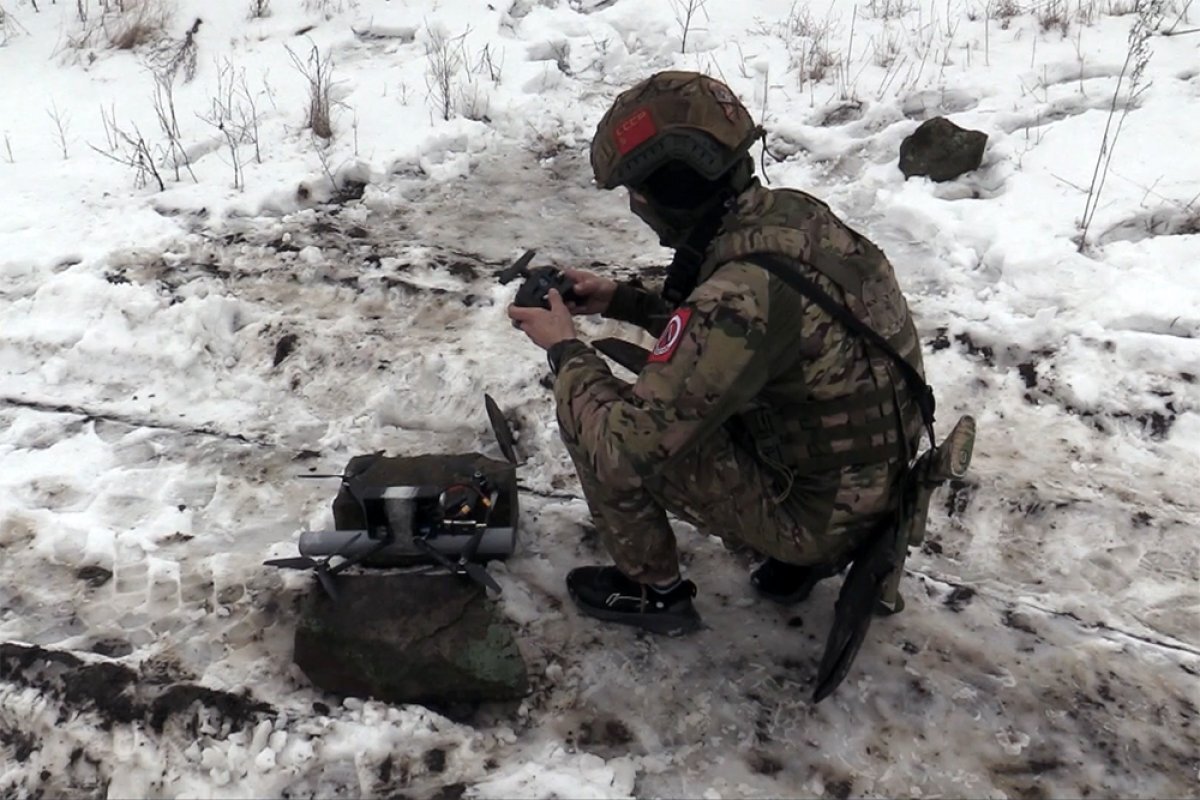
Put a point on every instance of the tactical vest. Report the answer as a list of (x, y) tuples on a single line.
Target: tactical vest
[(846, 417)]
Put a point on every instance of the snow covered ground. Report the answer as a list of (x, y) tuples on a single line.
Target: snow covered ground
[(152, 425)]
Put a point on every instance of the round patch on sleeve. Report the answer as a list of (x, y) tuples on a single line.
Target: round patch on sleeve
[(672, 335)]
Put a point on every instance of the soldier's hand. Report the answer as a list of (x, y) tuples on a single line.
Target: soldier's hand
[(595, 292), (545, 328)]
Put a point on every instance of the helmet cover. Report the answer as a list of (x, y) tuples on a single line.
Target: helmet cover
[(671, 116)]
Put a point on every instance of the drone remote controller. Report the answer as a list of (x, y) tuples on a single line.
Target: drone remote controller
[(535, 291)]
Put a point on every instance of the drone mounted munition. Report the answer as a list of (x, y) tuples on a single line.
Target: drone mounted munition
[(454, 510)]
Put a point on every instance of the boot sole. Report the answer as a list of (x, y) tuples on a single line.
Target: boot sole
[(663, 624)]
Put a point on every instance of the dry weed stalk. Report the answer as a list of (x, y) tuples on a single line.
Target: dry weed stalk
[(62, 125), (137, 156), (318, 71), (233, 112), (444, 56), (1137, 57), (685, 14)]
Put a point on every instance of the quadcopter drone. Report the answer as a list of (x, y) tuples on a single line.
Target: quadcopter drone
[(456, 511)]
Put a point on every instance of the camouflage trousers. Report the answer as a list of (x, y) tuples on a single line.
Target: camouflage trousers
[(717, 486)]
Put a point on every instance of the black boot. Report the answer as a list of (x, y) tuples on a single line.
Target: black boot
[(789, 584), (605, 593)]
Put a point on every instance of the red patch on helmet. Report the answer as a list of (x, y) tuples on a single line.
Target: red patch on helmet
[(672, 335), (633, 130)]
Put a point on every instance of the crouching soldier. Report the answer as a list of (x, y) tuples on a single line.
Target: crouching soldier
[(765, 414)]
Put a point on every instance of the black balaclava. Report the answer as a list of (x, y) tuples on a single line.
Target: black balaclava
[(686, 211)]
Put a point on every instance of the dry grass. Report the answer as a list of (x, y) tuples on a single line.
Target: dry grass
[(137, 23), (9, 27), (1053, 15), (120, 24), (317, 70), (890, 9), (329, 8), (1004, 10), (807, 41)]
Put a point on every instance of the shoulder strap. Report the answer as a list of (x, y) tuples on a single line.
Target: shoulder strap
[(921, 391)]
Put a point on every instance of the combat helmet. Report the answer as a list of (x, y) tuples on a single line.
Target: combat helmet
[(671, 117), (679, 141)]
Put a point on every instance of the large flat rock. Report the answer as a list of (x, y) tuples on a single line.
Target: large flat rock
[(405, 638)]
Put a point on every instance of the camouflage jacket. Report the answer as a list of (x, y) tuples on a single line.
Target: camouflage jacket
[(749, 352)]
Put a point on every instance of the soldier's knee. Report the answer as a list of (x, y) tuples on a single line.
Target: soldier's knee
[(614, 467)]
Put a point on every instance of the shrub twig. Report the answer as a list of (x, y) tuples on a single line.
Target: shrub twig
[(138, 156), (444, 56), (61, 127), (233, 112), (168, 122), (685, 12), (1149, 17)]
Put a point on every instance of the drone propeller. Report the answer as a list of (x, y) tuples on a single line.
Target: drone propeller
[(479, 574), (476, 572), (297, 562), (321, 567), (326, 573), (346, 476), (352, 481), (518, 269), (501, 429), (327, 583)]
